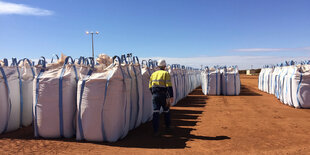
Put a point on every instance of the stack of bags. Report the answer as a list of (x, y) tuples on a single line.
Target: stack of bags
[(93, 101), (289, 82), (221, 81)]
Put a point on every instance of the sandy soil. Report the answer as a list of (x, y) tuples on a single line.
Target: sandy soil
[(252, 123)]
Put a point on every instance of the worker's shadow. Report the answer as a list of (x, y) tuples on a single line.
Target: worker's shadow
[(184, 118)]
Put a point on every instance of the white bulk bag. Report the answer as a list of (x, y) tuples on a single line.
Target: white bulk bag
[(134, 109), (281, 83), (27, 75), (261, 79), (270, 80), (274, 80), (214, 81), (9, 98), (102, 104), (180, 84), (230, 81), (279, 86), (55, 100), (183, 74), (147, 95), (205, 80), (266, 79), (301, 87), (287, 93), (136, 68), (175, 74)]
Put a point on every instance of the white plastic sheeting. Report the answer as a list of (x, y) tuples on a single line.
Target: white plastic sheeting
[(290, 83), (55, 100)]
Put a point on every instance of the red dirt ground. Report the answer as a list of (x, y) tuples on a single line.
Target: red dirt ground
[(252, 123)]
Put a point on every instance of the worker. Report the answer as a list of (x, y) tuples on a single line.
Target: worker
[(162, 95)]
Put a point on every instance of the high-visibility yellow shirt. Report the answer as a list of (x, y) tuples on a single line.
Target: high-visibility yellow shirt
[(160, 78)]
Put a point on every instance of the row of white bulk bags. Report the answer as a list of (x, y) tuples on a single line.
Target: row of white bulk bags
[(22, 71), (177, 82), (193, 79), (269, 76), (104, 103), (54, 93), (289, 83), (10, 99), (183, 80), (230, 81), (264, 77)]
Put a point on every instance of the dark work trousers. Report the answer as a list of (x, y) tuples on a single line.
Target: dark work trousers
[(159, 100)]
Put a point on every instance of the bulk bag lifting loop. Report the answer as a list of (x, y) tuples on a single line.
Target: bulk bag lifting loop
[(147, 64), (57, 57), (30, 64), (6, 62), (85, 61), (8, 96), (80, 60), (150, 62)]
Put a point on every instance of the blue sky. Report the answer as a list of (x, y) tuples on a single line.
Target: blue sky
[(158, 28)]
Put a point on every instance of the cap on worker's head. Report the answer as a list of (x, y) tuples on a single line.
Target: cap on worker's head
[(161, 63)]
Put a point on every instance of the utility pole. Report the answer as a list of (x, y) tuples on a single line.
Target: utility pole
[(92, 42)]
